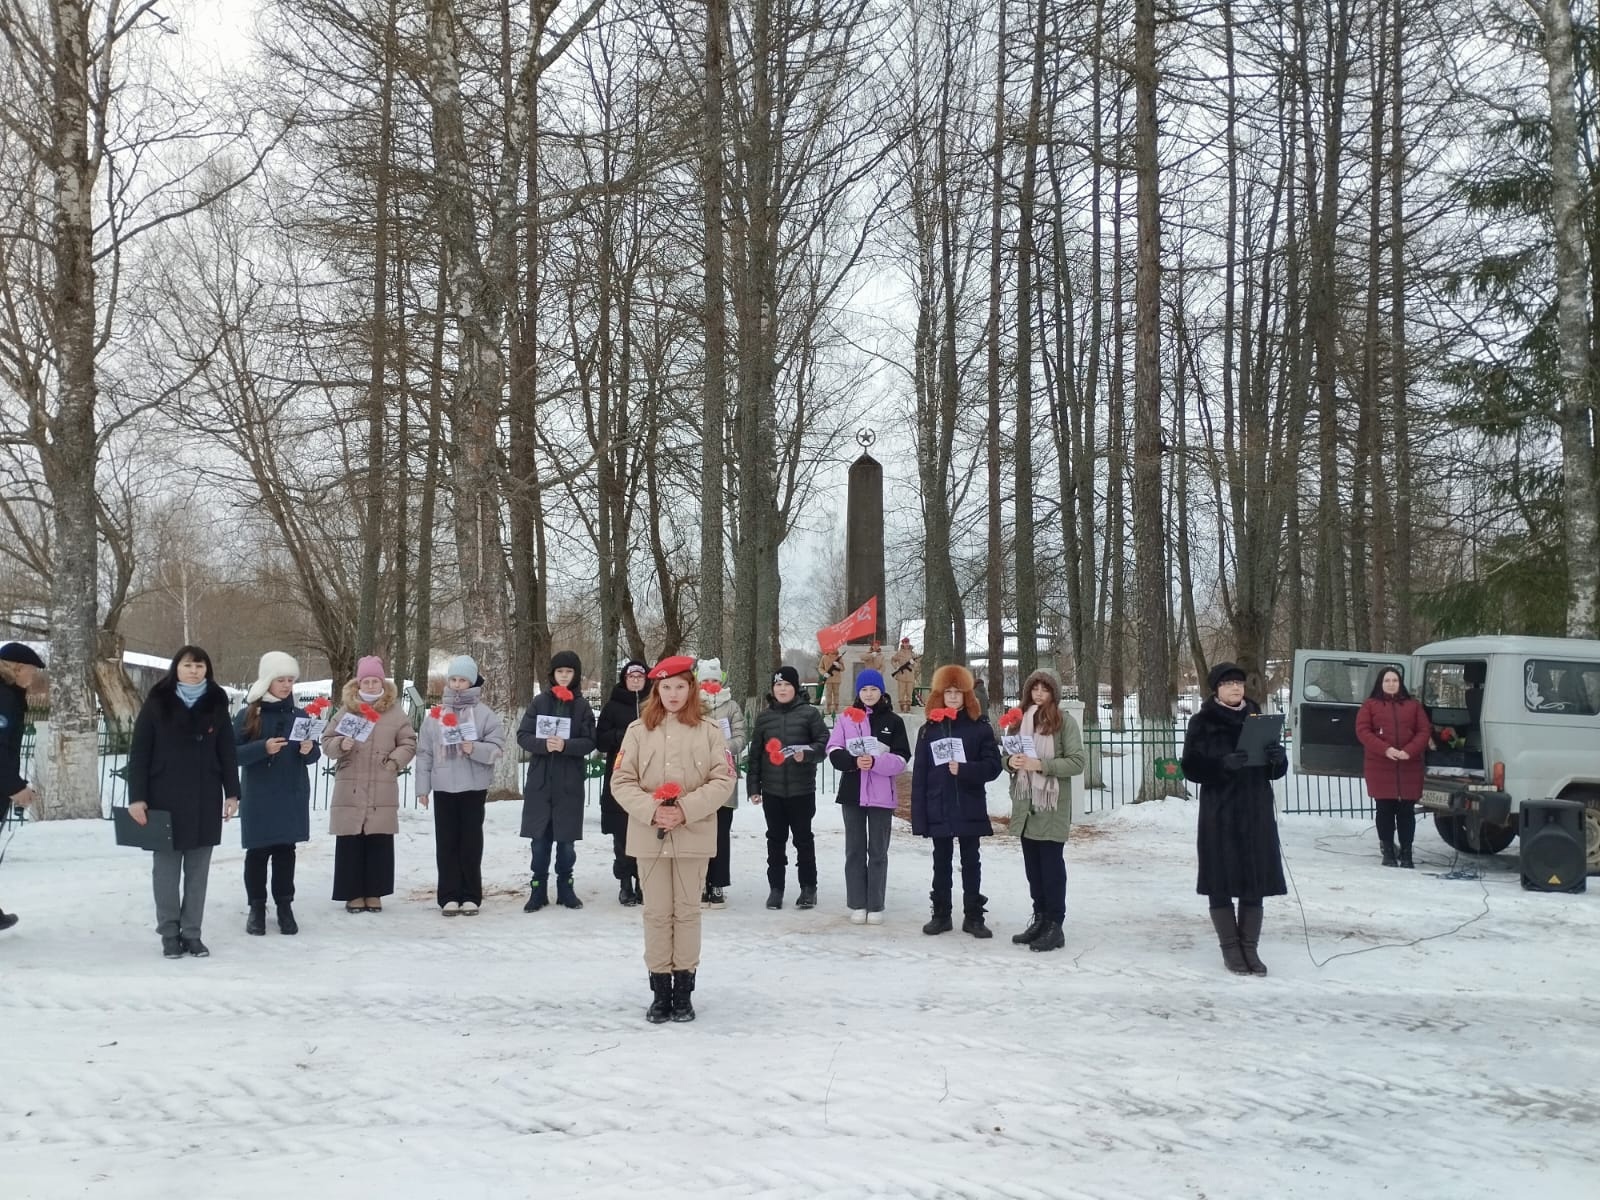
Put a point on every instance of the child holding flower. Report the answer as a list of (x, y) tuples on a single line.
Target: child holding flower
[(370, 741), (457, 749), (866, 792), (557, 731), (673, 774), (1047, 752), (955, 758)]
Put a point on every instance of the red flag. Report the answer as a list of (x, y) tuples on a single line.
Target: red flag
[(858, 624)]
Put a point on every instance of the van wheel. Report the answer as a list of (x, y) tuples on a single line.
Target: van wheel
[(1472, 836)]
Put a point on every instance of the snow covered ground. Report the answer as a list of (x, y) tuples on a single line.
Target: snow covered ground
[(405, 1055)]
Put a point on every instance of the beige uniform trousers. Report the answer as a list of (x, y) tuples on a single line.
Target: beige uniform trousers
[(672, 889)]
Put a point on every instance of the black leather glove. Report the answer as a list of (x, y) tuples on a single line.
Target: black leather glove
[(1277, 756), (1234, 761)]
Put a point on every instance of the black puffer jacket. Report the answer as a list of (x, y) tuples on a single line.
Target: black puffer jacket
[(1237, 839), (620, 711), (794, 724)]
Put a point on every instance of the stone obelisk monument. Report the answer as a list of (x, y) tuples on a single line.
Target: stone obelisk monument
[(863, 550)]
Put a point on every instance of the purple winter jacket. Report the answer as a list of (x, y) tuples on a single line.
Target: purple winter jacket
[(873, 788)]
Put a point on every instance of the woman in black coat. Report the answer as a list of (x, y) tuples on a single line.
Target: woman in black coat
[(949, 801), (620, 711), (183, 763), (1238, 832), (17, 665), (552, 794)]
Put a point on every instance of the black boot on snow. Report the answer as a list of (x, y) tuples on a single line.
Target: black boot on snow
[(566, 894), (1249, 936), (256, 923), (660, 1009), (808, 898), (286, 922), (7, 920), (775, 898), (1227, 927), (1405, 858), (1034, 929), (1051, 937), (1389, 859), (972, 907), (537, 898), (940, 922), (682, 989)]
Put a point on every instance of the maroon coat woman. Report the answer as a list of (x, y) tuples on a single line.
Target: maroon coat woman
[(1394, 728)]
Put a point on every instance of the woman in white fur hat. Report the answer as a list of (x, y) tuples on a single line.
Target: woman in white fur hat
[(274, 790)]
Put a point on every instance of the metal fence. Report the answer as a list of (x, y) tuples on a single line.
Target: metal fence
[(1123, 761), (1141, 756)]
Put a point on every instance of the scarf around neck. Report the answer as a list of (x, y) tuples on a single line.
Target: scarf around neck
[(461, 703), (1044, 791), (190, 693)]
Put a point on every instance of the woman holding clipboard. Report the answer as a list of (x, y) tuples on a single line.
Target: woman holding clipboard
[(1237, 840)]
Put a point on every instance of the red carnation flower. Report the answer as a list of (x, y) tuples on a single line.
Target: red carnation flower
[(856, 714), (1013, 717), (434, 712), (369, 713), (561, 693), (711, 687), (774, 751), (668, 792), (450, 719)]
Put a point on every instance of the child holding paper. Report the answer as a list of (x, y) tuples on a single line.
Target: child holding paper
[(276, 745), (457, 748), (781, 776), (558, 732), (868, 747), (955, 758), (1043, 747), (371, 740)]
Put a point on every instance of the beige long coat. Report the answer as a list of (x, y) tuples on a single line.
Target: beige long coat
[(697, 760), (366, 788)]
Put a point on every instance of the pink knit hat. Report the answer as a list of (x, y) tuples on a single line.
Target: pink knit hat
[(371, 667)]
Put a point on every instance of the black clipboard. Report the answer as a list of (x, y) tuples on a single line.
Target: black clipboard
[(156, 834), (1258, 732)]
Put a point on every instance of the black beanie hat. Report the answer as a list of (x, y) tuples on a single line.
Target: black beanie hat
[(788, 675), (16, 652), (1222, 672)]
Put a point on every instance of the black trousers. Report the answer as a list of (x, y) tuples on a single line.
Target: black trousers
[(1393, 814), (790, 816), (363, 865), (622, 866), (458, 845), (944, 867), (1046, 865), (256, 861), (717, 870)]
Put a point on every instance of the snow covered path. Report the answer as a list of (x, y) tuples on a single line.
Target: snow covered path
[(406, 1055)]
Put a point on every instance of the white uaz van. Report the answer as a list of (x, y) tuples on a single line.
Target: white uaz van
[(1513, 717)]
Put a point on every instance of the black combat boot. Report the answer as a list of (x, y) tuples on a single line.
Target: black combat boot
[(940, 922), (972, 905), (1034, 929), (660, 1009), (682, 989), (1051, 937), (537, 896), (1389, 859), (286, 922), (256, 923), (566, 894)]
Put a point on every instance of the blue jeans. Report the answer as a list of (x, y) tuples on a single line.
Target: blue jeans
[(566, 856)]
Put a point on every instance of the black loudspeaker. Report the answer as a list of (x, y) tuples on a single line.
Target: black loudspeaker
[(1553, 853)]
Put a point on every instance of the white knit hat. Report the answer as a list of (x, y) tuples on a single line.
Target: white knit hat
[(274, 663), (708, 670)]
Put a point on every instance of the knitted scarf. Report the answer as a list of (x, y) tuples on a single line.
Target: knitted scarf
[(1044, 790), (462, 703)]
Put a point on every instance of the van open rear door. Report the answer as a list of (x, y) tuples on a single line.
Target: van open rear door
[(1329, 686)]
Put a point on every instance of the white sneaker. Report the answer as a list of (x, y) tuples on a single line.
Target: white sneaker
[(875, 918), (469, 909), (858, 916), (452, 908)]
